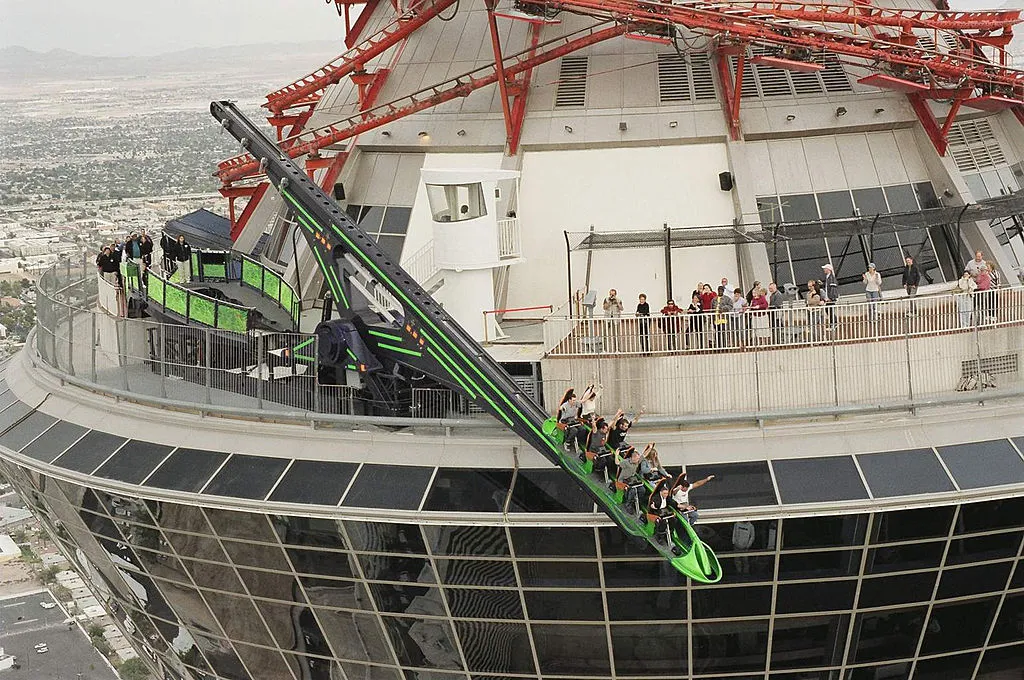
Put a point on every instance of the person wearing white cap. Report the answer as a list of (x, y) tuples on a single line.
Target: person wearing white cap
[(830, 294), (872, 288)]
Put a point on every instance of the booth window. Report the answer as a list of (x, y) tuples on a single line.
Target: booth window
[(456, 202)]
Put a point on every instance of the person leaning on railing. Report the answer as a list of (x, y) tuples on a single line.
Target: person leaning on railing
[(107, 264), (963, 292)]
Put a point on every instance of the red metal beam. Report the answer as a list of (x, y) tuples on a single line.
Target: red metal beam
[(352, 34), (506, 110), (938, 134), (356, 58), (522, 88), (453, 88), (731, 88), (255, 193)]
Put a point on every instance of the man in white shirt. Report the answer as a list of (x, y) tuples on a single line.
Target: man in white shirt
[(977, 264)]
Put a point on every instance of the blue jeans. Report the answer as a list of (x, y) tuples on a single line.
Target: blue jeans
[(873, 296)]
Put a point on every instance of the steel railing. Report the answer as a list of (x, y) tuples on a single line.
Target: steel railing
[(896, 359)]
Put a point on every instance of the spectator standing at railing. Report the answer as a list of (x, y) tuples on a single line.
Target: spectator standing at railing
[(977, 264), (984, 280), (643, 320), (167, 251), (738, 319), (612, 305), (670, 322), (146, 247), (723, 311), (183, 258), (872, 288), (911, 279), (775, 302), (963, 293), (107, 266), (695, 321), (707, 298), (830, 294)]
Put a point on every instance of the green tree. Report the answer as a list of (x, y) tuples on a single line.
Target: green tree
[(133, 669), (47, 575), (94, 630)]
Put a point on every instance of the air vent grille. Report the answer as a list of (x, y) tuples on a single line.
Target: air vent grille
[(768, 81), (685, 78), (974, 146), (572, 82), (998, 365)]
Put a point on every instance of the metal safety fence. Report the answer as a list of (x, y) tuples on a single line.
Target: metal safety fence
[(803, 361)]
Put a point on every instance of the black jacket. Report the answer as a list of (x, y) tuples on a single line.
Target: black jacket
[(911, 275), (146, 244), (775, 300), (182, 252), (106, 263), (831, 288)]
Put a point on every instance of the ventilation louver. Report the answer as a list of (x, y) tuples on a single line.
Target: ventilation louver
[(572, 82)]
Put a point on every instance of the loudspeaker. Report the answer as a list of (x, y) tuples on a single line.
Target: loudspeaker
[(725, 181), (339, 192)]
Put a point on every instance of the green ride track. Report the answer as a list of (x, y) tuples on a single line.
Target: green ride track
[(435, 344)]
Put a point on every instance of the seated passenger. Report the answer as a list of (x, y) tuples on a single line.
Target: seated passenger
[(581, 433), (597, 450), (651, 468), (620, 428), (681, 489), (628, 477), (661, 511)]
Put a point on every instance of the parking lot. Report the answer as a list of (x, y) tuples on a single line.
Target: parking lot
[(24, 624)]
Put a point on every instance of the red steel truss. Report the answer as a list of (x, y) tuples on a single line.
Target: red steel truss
[(884, 41), (309, 88)]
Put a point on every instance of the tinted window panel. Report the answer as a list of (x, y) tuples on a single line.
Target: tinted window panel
[(466, 540), (659, 574), (90, 451), (904, 557), (820, 564), (1010, 624), (808, 642), (134, 461), (959, 666), (904, 473), (958, 626), (987, 578), (386, 537), (870, 201), (186, 470), (982, 464), (547, 491), (476, 603), (887, 635), (559, 649), (496, 647), (1002, 514), (54, 441), (799, 207), (823, 532), (891, 590), (559, 574), (894, 671), (469, 490), (647, 605), (903, 525), (247, 477), (426, 643), (994, 547), (815, 480), (723, 647), (820, 596), (564, 606), (553, 542), (901, 198), (476, 572), (835, 204), (735, 485), (723, 603), (653, 649), (404, 568), (744, 537), (27, 430), (314, 481), (399, 487)]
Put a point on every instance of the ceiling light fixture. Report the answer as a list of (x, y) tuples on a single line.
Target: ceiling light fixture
[(790, 118), (673, 123), (385, 133), (878, 111), (568, 128), (424, 133), (461, 133), (840, 112)]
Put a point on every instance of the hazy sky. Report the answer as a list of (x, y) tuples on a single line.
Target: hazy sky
[(143, 27)]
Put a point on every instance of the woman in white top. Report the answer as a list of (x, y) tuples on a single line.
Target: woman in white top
[(588, 400), (963, 293), (681, 489), (872, 288)]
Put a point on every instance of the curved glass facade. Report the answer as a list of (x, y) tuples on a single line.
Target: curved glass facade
[(216, 593)]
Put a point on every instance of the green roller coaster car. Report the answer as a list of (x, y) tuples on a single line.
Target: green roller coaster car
[(694, 558)]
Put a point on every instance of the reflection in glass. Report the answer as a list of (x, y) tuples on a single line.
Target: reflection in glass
[(406, 569), (986, 578), (904, 557), (722, 603), (819, 564), (809, 642), (355, 636), (466, 540), (900, 589), (722, 647), (815, 596), (476, 572), (653, 649), (958, 666), (907, 525), (553, 541), (647, 605), (959, 625), (559, 574), (496, 647), (475, 603), (744, 537), (994, 547), (334, 593), (388, 537), (424, 643), (823, 532), (570, 649), (564, 605), (893, 634)]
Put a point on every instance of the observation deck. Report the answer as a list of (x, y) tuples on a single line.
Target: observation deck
[(839, 424)]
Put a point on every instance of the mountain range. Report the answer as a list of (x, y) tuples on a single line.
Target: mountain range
[(20, 63)]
